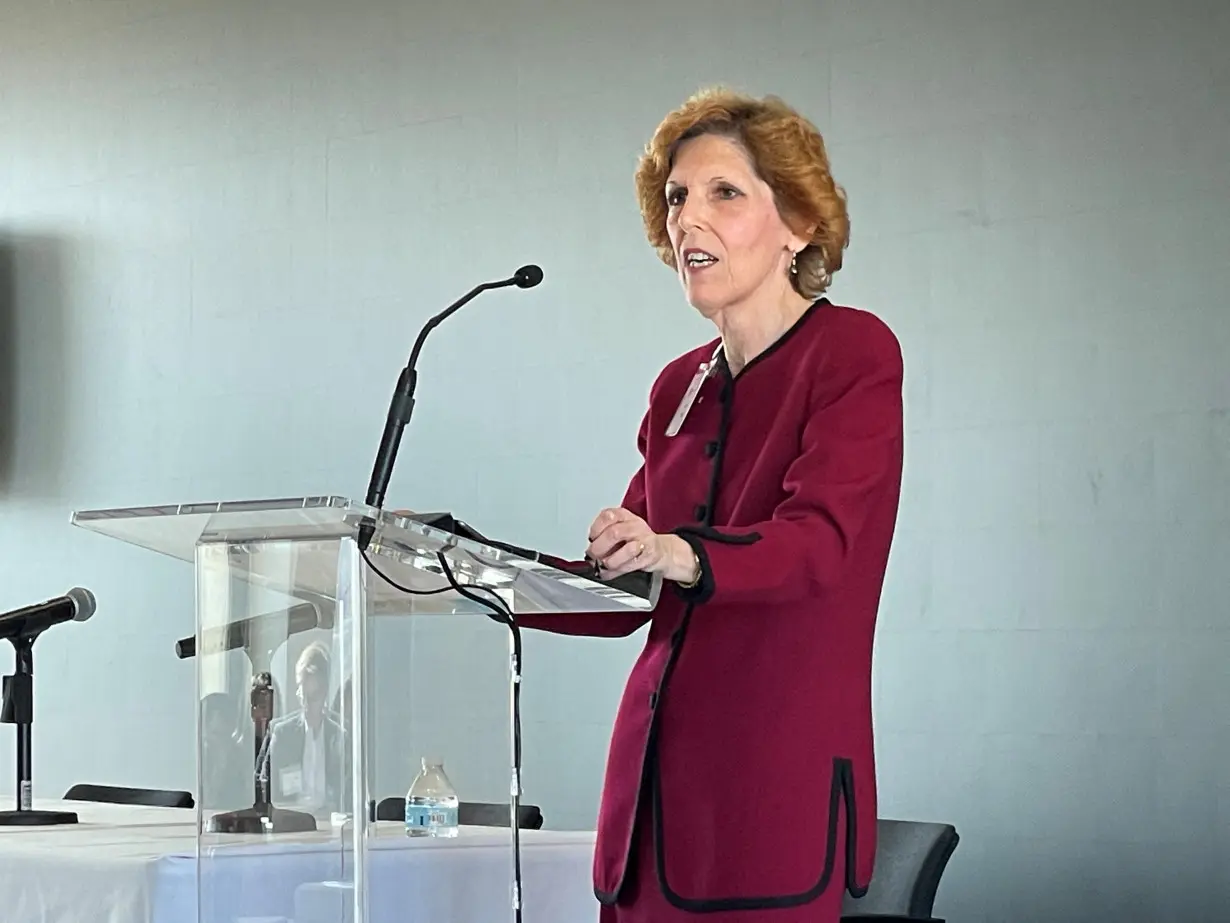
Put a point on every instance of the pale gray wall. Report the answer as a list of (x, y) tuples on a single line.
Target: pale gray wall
[(222, 222)]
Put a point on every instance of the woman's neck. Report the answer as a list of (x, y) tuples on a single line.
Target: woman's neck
[(748, 329)]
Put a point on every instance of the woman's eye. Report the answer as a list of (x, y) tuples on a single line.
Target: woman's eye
[(727, 192), (675, 197)]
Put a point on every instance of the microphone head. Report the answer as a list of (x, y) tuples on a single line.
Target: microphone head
[(84, 603), (528, 276)]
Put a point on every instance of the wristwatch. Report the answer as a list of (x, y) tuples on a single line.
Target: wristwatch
[(695, 580)]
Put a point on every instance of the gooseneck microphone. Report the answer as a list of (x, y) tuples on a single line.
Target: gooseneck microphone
[(402, 406)]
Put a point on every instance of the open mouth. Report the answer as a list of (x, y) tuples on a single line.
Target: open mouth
[(695, 260)]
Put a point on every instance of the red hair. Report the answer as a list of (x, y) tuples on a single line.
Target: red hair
[(786, 151)]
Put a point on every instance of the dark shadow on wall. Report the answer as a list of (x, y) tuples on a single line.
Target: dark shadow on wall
[(33, 301)]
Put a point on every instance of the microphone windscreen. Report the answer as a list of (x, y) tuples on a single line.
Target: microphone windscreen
[(528, 276), (84, 603)]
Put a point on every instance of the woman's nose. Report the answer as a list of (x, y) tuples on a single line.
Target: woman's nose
[(691, 214)]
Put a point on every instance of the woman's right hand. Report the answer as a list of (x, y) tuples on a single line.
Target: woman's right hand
[(621, 542)]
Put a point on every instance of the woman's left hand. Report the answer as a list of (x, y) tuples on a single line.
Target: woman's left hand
[(621, 542)]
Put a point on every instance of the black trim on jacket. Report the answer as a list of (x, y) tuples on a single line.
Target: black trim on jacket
[(841, 788), (843, 773)]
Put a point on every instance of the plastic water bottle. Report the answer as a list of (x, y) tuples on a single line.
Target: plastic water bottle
[(431, 802)]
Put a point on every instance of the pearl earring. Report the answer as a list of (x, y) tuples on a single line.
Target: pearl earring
[(794, 264)]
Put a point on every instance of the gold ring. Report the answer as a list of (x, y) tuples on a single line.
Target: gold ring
[(640, 549)]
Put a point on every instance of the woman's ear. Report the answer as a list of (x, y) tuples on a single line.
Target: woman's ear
[(801, 235)]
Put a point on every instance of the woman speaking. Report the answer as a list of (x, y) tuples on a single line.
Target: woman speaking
[(740, 780)]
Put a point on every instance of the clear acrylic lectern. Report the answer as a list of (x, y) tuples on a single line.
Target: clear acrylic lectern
[(290, 596)]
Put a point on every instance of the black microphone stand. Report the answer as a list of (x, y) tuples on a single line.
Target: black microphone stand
[(18, 709), (262, 817)]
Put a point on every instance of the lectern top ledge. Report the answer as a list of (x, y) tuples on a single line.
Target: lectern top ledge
[(407, 546)]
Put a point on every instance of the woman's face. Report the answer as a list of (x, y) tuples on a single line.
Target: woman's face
[(729, 239)]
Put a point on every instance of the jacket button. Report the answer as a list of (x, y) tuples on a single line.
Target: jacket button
[(700, 512), (710, 449)]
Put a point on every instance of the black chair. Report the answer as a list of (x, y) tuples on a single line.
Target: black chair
[(470, 814), (910, 860), (116, 794)]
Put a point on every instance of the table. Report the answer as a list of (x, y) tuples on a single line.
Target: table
[(133, 864)]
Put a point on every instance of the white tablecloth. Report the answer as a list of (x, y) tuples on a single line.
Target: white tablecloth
[(125, 864)]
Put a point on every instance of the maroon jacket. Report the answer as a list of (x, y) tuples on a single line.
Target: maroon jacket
[(747, 717)]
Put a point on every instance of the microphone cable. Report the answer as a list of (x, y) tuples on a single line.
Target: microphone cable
[(498, 611)]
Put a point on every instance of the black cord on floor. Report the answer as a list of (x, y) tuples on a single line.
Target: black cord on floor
[(499, 612)]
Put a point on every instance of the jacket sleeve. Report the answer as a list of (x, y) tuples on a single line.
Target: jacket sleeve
[(603, 624), (851, 445)]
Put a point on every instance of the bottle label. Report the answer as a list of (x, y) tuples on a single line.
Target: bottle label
[(430, 815)]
